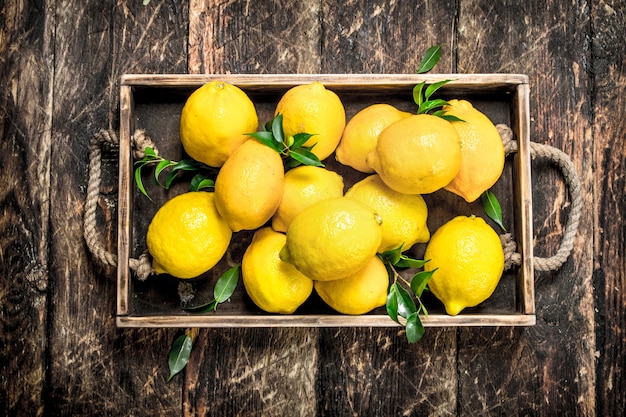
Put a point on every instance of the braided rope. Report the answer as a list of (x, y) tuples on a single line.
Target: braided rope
[(139, 141), (90, 233), (564, 163)]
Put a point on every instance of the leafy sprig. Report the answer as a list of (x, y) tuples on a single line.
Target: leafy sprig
[(422, 92), (224, 288), (402, 293), (292, 148), (183, 344), (202, 179)]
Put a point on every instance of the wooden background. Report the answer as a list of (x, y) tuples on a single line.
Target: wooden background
[(60, 351)]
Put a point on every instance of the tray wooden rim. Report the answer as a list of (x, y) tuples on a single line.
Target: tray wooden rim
[(322, 320), (515, 83)]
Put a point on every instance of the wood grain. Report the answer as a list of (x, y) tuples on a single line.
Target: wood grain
[(278, 378), (421, 379), (564, 333), (254, 37), (609, 185), (25, 143), (363, 36), (94, 369), (269, 372), (60, 351)]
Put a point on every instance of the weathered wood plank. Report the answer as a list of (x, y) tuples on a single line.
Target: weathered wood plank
[(372, 36), (609, 184), (244, 372), (25, 143), (269, 372), (254, 37), (376, 371), (94, 368), (552, 47)]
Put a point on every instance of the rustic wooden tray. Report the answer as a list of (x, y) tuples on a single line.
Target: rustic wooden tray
[(154, 102)]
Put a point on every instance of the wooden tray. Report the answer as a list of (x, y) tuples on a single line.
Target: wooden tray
[(154, 102)]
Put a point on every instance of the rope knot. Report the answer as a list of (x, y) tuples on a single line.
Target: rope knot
[(140, 142), (510, 145), (142, 266), (511, 257)]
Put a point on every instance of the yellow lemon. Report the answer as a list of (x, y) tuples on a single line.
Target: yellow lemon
[(403, 215), (305, 185), (482, 152), (358, 293), (332, 239), (187, 237), (273, 285), (214, 122), (361, 134), (417, 155), (469, 259), (249, 187), (311, 108)]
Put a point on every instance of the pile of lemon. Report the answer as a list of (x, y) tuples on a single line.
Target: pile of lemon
[(310, 234)]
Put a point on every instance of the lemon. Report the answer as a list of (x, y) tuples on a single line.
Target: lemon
[(273, 285), (358, 293), (214, 122), (403, 215), (249, 186), (482, 159), (305, 185), (332, 239), (311, 108), (417, 155), (469, 259), (187, 237), (361, 134)]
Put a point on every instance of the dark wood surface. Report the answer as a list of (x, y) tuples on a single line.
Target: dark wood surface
[(60, 351)]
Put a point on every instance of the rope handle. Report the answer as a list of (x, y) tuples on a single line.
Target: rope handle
[(143, 267), (565, 165), (139, 142)]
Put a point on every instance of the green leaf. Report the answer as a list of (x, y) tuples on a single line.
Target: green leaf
[(299, 139), (429, 105), (188, 165), (149, 152), (202, 308), (159, 168), (392, 302), (169, 179), (430, 90), (139, 182), (392, 255), (491, 205), (304, 156), (262, 135), (406, 305), (414, 328), (226, 284), (417, 93), (430, 59), (406, 262), (420, 280), (201, 182), (449, 117), (277, 129), (267, 139), (179, 354)]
